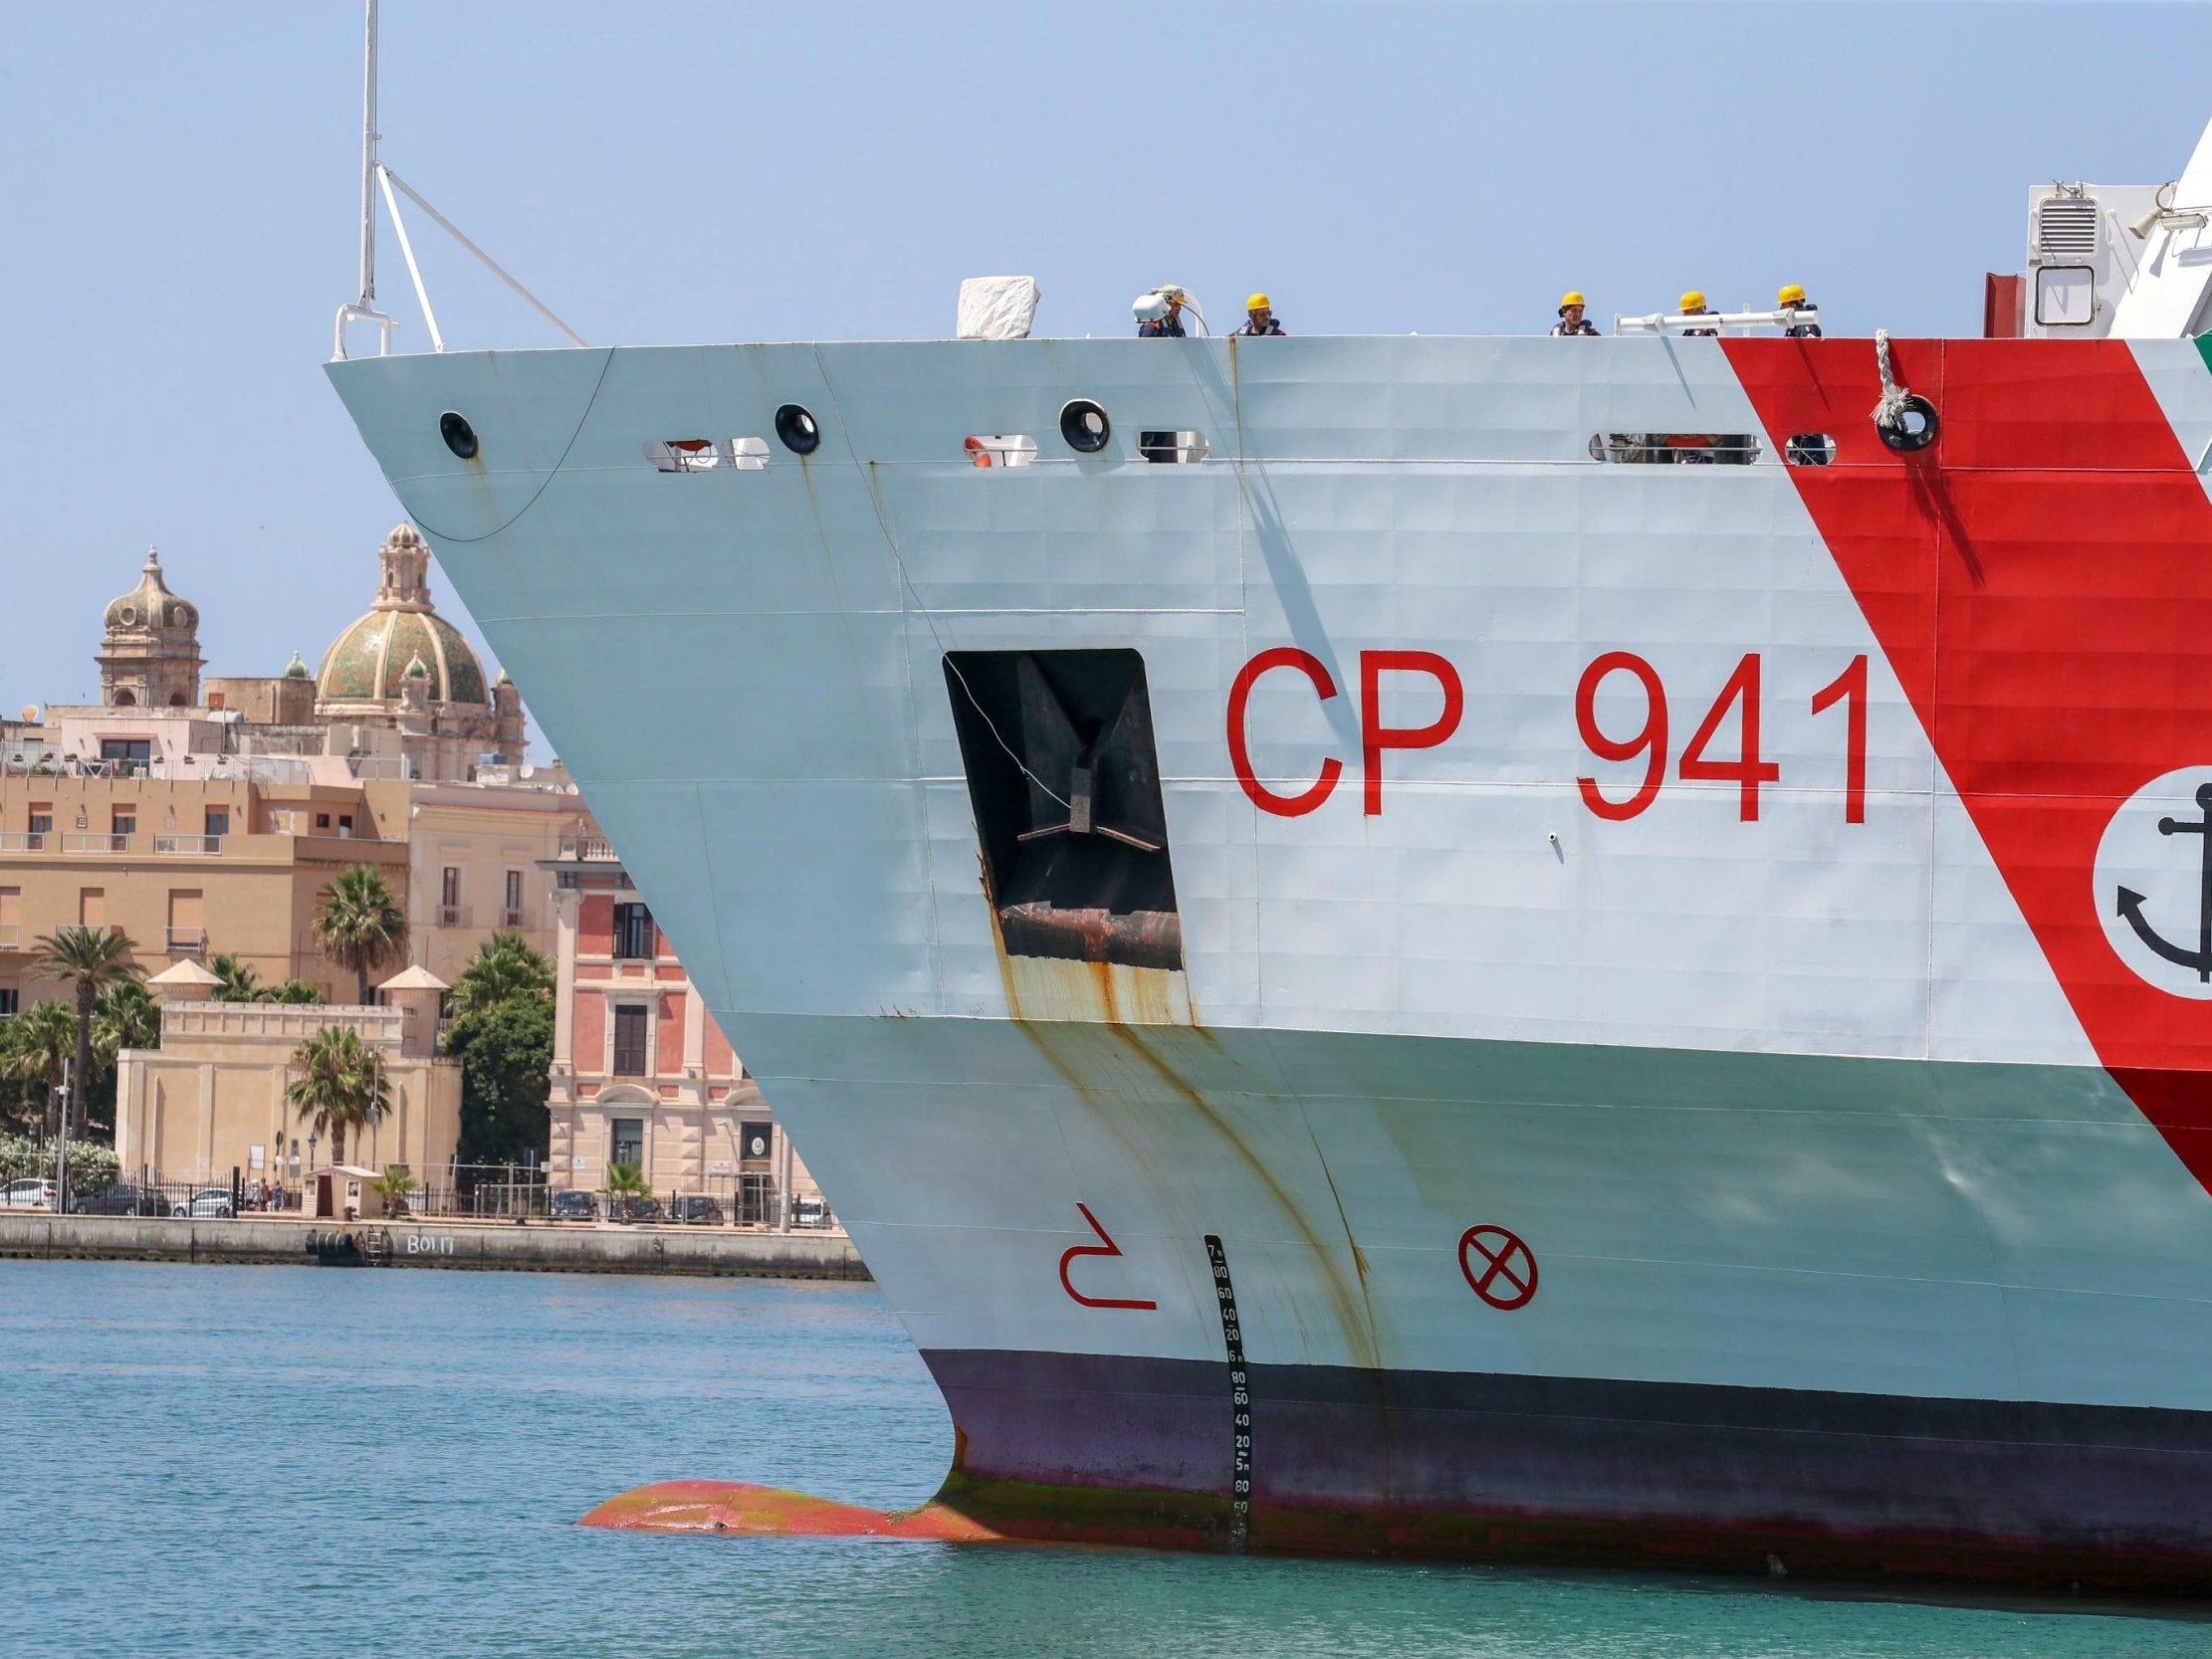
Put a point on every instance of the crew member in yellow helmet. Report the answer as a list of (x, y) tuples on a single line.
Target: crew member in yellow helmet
[(1693, 305), (1160, 313), (1570, 321), (1791, 298), (1259, 317)]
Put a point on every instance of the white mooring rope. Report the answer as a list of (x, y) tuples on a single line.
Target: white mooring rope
[(1890, 412)]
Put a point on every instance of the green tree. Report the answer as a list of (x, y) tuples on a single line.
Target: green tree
[(505, 968), (89, 959), (506, 1055), (125, 1016), (394, 1186), (240, 981), (358, 923), (339, 1088), (35, 1047), (626, 1180)]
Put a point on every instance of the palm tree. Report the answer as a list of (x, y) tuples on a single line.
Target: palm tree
[(125, 1016), (35, 1047), (240, 981), (358, 923), (505, 968), (625, 1181), (394, 1186), (91, 959), (292, 991), (339, 1085)]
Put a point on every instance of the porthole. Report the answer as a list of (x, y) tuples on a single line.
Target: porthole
[(1084, 424), (459, 435), (798, 430)]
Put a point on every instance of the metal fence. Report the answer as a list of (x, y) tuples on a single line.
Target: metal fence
[(480, 1193)]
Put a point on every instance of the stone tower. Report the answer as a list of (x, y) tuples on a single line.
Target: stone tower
[(149, 654)]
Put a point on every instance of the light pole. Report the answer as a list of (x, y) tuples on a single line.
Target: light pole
[(61, 1155)]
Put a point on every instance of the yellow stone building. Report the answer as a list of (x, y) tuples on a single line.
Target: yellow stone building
[(204, 815), (211, 1099)]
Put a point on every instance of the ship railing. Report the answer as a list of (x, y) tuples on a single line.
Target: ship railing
[(1738, 449), (1728, 322)]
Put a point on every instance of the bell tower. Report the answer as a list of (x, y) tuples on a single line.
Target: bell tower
[(149, 652)]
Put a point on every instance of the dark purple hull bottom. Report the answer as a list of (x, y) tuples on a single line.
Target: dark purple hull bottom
[(1575, 1470)]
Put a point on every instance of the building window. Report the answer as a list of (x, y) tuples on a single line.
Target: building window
[(449, 898), (633, 933), (511, 913), (130, 754), (322, 820), (218, 822), (629, 1041), (188, 935), (124, 820), (41, 824), (11, 1001), (627, 1138), (345, 824)]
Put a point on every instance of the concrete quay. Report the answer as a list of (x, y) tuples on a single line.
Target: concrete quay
[(540, 1247)]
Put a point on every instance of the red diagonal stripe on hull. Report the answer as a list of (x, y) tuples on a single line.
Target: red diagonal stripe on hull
[(2041, 582)]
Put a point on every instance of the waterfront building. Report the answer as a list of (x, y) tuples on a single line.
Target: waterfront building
[(204, 814), (211, 1099), (641, 1073)]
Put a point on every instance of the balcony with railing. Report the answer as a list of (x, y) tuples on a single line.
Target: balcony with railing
[(453, 916), (186, 941), (515, 921), (19, 841), (95, 841), (187, 846), (591, 848)]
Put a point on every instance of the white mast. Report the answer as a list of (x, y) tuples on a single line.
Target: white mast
[(376, 177), (368, 160), (364, 308)]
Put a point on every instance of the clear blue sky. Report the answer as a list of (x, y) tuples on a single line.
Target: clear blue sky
[(180, 208)]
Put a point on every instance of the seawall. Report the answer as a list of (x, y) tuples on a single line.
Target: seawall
[(538, 1248)]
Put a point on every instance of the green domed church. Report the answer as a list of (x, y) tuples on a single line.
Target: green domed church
[(403, 666), (400, 693)]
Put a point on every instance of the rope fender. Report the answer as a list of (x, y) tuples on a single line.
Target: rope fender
[(1900, 406)]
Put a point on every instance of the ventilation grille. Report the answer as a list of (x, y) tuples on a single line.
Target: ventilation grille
[(2066, 226)]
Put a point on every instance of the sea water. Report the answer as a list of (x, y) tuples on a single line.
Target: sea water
[(228, 1460)]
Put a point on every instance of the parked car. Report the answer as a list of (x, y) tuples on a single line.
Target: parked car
[(124, 1198), (809, 1213), (28, 1195), (572, 1206), (634, 1209), (698, 1209), (208, 1201)]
